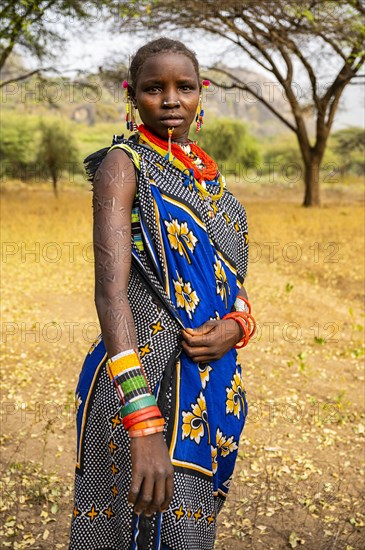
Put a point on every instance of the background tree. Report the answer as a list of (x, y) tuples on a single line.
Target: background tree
[(30, 26), (57, 152), (315, 44)]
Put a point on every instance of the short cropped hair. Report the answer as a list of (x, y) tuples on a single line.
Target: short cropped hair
[(155, 47)]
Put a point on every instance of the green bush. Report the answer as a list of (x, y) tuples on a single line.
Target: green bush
[(349, 147), (57, 152), (18, 142), (344, 155), (229, 143), (282, 156)]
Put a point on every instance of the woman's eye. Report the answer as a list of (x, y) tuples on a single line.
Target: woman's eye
[(186, 88), (153, 89)]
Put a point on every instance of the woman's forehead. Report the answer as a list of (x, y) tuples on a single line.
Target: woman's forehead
[(167, 64)]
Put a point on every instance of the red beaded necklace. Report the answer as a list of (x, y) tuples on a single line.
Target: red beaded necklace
[(209, 173)]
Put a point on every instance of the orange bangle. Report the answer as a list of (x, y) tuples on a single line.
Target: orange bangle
[(247, 317), (250, 323), (244, 340), (144, 414), (247, 323), (148, 424), (145, 431)]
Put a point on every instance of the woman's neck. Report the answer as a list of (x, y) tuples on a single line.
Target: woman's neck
[(179, 141), (185, 142)]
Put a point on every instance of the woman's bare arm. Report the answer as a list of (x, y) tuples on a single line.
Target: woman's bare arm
[(114, 190)]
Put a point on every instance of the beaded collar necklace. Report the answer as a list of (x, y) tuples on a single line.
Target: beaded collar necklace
[(183, 162)]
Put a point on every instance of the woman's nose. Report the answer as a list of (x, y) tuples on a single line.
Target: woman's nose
[(171, 103)]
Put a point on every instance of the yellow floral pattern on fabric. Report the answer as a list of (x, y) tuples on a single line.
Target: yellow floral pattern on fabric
[(195, 422), (234, 402), (204, 371), (225, 444), (181, 237), (214, 459), (186, 297), (222, 286)]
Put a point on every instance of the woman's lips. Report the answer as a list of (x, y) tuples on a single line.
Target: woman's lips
[(172, 122)]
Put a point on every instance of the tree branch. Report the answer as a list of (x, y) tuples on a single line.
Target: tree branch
[(259, 45), (333, 45), (239, 84), (24, 76), (345, 74), (338, 93), (254, 43), (18, 26)]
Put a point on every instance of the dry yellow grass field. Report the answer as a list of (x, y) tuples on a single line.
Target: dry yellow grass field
[(299, 480)]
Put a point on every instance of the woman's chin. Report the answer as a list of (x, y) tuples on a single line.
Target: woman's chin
[(179, 130)]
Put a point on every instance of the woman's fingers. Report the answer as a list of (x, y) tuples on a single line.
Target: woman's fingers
[(202, 331), (158, 497), (151, 468), (199, 339), (145, 498), (134, 488), (169, 492), (192, 351), (155, 495), (203, 346)]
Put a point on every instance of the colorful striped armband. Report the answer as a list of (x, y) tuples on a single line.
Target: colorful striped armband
[(125, 370), (127, 374)]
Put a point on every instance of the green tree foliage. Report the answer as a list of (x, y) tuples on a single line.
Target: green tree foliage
[(36, 25), (57, 152), (230, 144), (17, 147), (283, 157), (315, 47), (349, 146)]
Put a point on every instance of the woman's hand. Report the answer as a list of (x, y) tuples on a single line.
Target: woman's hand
[(152, 484), (211, 340)]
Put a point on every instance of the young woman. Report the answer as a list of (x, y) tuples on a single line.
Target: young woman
[(160, 399)]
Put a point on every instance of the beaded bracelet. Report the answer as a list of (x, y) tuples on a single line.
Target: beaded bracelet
[(145, 401), (128, 376), (126, 371), (146, 431), (138, 404)]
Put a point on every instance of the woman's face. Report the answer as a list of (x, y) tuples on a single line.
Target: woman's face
[(167, 95)]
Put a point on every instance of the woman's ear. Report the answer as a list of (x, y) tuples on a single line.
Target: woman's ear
[(132, 96)]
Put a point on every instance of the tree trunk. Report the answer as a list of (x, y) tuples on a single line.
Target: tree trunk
[(311, 181), (54, 181)]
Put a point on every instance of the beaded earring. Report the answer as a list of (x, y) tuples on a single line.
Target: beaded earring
[(200, 110), (130, 114)]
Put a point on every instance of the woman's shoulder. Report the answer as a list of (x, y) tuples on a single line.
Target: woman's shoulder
[(127, 153)]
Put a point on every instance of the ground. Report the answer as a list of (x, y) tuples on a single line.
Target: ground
[(299, 479)]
